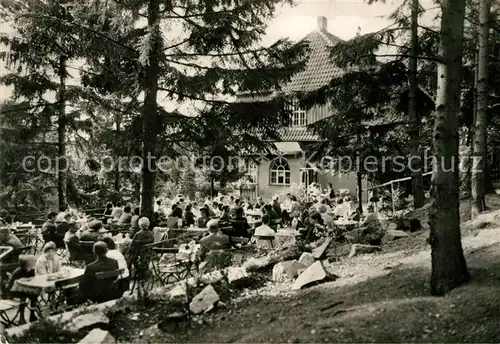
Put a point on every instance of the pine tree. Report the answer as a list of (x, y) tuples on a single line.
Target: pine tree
[(214, 57), (39, 54), (449, 268)]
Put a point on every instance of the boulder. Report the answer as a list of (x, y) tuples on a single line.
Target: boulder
[(211, 277), (237, 276), (362, 249), (286, 271), (205, 300), (179, 293), (98, 336), (261, 263), (314, 273), (307, 259), (88, 321), (395, 234)]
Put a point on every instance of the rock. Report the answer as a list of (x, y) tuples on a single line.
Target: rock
[(319, 251), (288, 270), (88, 321), (237, 276), (314, 273), (395, 234), (212, 277), (261, 263), (307, 259), (98, 336), (179, 293), (362, 249), (204, 300)]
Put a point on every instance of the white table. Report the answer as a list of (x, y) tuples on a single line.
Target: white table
[(43, 283)]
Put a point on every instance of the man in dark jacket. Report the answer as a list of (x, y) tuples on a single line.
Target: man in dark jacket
[(91, 288)]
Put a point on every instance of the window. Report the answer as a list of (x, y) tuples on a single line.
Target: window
[(298, 114), (279, 172), (252, 171)]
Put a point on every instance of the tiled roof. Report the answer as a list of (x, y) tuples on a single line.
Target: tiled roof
[(297, 134), (319, 69)]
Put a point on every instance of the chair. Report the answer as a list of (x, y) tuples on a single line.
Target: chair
[(168, 273), (75, 255), (110, 284), (139, 259), (64, 294), (7, 308)]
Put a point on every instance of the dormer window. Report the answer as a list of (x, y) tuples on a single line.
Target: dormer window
[(298, 114)]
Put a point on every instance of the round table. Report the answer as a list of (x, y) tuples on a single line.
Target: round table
[(40, 284)]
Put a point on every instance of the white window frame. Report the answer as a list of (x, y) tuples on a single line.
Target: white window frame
[(298, 114), (279, 172)]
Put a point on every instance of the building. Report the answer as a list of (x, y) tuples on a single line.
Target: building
[(290, 167)]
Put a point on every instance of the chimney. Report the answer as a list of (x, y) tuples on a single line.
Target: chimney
[(322, 24)]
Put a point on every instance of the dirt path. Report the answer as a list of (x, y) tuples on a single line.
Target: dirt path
[(383, 298)]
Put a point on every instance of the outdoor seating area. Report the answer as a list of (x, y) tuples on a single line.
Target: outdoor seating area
[(45, 273)]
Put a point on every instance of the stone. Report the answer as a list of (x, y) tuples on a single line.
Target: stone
[(87, 321), (236, 275), (319, 251), (362, 249), (307, 259), (98, 336), (261, 263), (179, 293), (395, 234), (211, 277), (286, 271), (314, 273), (204, 300)]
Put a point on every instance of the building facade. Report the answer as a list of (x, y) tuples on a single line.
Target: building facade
[(291, 167)]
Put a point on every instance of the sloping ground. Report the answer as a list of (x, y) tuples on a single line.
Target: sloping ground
[(385, 298)]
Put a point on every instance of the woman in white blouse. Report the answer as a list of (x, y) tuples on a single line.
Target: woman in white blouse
[(49, 262)]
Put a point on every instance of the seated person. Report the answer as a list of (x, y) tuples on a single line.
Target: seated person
[(225, 215), (92, 234), (63, 210), (113, 253), (117, 211), (215, 240), (175, 216), (134, 222), (25, 270), (327, 219), (91, 288), (9, 239), (126, 217), (61, 229), (340, 210), (49, 262), (49, 227), (318, 228), (240, 224), (72, 242), (264, 233), (204, 218), (188, 216), (143, 237)]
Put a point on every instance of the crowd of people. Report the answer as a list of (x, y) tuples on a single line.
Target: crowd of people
[(224, 217)]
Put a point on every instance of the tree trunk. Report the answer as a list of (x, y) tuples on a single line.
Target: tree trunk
[(479, 152), (360, 192), (449, 268), (62, 176), (117, 166), (149, 118), (416, 162)]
